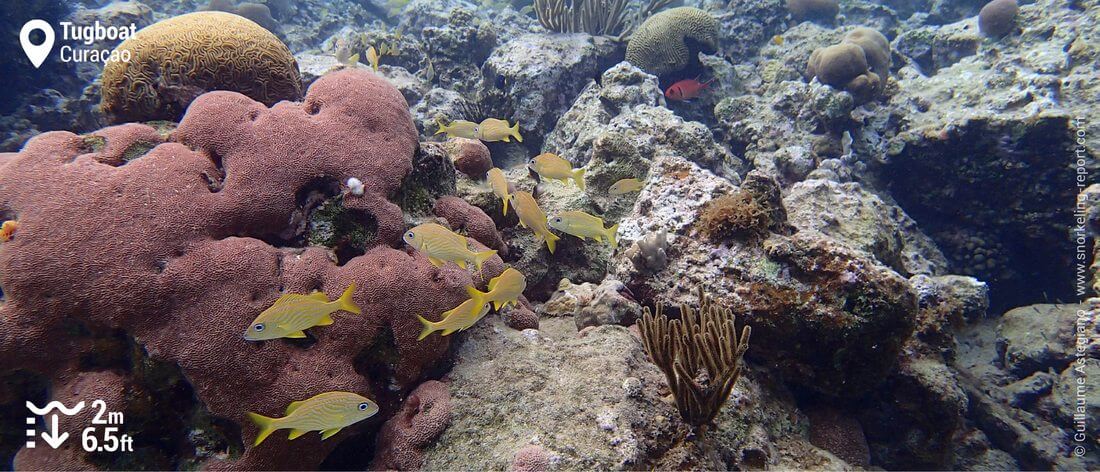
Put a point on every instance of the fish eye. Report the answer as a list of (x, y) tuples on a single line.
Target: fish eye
[(258, 327), (557, 220), (364, 406), (410, 235)]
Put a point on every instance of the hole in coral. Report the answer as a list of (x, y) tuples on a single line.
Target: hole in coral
[(215, 181), (313, 108), (253, 115)]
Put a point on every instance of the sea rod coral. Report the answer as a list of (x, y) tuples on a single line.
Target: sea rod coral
[(171, 249)]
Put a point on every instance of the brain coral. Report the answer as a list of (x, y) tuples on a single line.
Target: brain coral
[(671, 40), (175, 60), (180, 247), (998, 18)]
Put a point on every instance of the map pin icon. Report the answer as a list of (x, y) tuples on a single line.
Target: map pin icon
[(37, 54)]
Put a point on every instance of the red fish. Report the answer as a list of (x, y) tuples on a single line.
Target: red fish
[(686, 89)]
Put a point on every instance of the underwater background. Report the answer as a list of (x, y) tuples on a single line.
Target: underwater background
[(559, 235)]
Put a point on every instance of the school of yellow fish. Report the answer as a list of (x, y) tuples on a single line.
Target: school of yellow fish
[(293, 313)]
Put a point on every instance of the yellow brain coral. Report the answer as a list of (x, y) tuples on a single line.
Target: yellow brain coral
[(175, 60), (672, 39)]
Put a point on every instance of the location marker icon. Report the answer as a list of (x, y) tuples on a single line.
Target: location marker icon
[(36, 53)]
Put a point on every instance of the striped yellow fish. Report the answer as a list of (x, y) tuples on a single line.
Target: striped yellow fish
[(499, 183), (531, 216), (441, 245), (552, 166), (503, 289), (625, 186), (328, 413), (294, 312), (583, 225), (372, 58), (456, 319), (457, 129), (492, 129)]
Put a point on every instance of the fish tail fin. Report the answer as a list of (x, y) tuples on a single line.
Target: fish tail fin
[(612, 235), (346, 303), (481, 257), (578, 177), (476, 294), (551, 241), (515, 132), (429, 328), (442, 127), (266, 424)]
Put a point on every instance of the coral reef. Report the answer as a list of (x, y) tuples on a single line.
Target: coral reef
[(860, 64), (199, 255), (470, 157), (470, 220), (670, 41), (649, 254), (739, 215), (608, 302), (178, 59)]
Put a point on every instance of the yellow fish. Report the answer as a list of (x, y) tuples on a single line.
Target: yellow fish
[(383, 49), (441, 245), (503, 289), (499, 183), (492, 129), (372, 58), (551, 166), (293, 312), (458, 129), (328, 413), (583, 225), (625, 186), (531, 216), (7, 230), (456, 319), (777, 40), (352, 61)]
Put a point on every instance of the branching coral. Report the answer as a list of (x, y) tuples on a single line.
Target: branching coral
[(734, 216), (700, 355)]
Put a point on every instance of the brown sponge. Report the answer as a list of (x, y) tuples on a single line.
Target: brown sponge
[(998, 18)]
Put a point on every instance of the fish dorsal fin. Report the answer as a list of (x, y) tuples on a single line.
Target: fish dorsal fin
[(294, 406), (320, 296)]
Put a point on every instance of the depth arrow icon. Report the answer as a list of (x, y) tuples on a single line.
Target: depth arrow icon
[(54, 439)]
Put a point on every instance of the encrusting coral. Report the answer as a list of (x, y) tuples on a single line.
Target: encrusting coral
[(175, 253), (671, 40), (178, 59), (700, 355)]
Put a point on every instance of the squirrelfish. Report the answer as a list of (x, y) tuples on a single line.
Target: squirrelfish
[(492, 129), (625, 186), (441, 245), (531, 216), (7, 230), (583, 225), (552, 166), (499, 183), (457, 129), (372, 58), (456, 319), (503, 289), (294, 312), (686, 89), (328, 413)]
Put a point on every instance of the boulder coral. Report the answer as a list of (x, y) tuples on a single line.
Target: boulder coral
[(813, 9), (180, 247), (860, 64), (671, 40), (423, 417), (178, 59), (998, 18)]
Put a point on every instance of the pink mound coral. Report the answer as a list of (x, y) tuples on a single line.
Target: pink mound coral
[(531, 458), (471, 156), (179, 244), (423, 417), (462, 216)]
